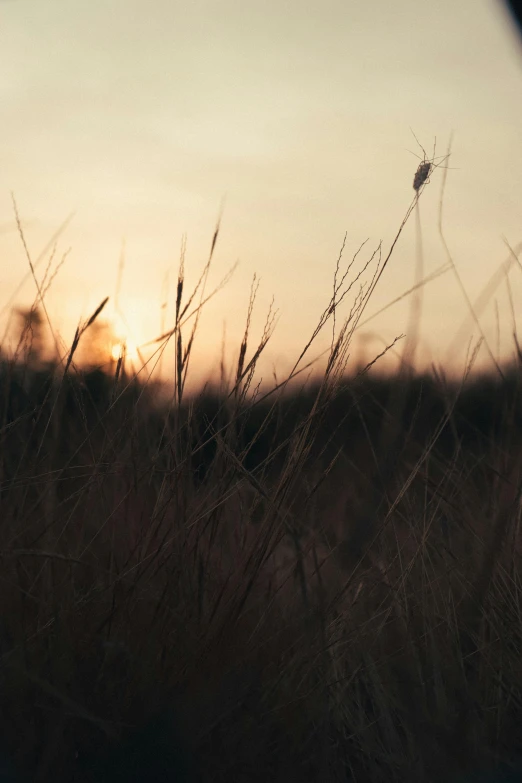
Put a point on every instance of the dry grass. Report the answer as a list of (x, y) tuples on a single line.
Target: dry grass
[(252, 585)]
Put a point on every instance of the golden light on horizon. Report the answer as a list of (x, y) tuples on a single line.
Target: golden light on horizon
[(125, 349)]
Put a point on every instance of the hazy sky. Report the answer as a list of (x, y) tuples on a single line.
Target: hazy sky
[(143, 116)]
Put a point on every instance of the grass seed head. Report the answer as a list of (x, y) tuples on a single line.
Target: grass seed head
[(427, 165), (422, 174)]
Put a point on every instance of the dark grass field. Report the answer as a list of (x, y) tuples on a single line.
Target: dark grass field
[(309, 587), (319, 580)]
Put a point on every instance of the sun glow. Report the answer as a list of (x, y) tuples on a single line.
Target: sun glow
[(124, 349)]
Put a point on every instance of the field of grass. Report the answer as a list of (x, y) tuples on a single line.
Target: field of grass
[(317, 581)]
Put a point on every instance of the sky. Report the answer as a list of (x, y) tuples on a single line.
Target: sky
[(295, 119)]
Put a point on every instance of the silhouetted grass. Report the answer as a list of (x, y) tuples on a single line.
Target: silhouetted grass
[(315, 583), (147, 553)]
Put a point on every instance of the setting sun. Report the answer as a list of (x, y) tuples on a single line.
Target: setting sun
[(124, 348)]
